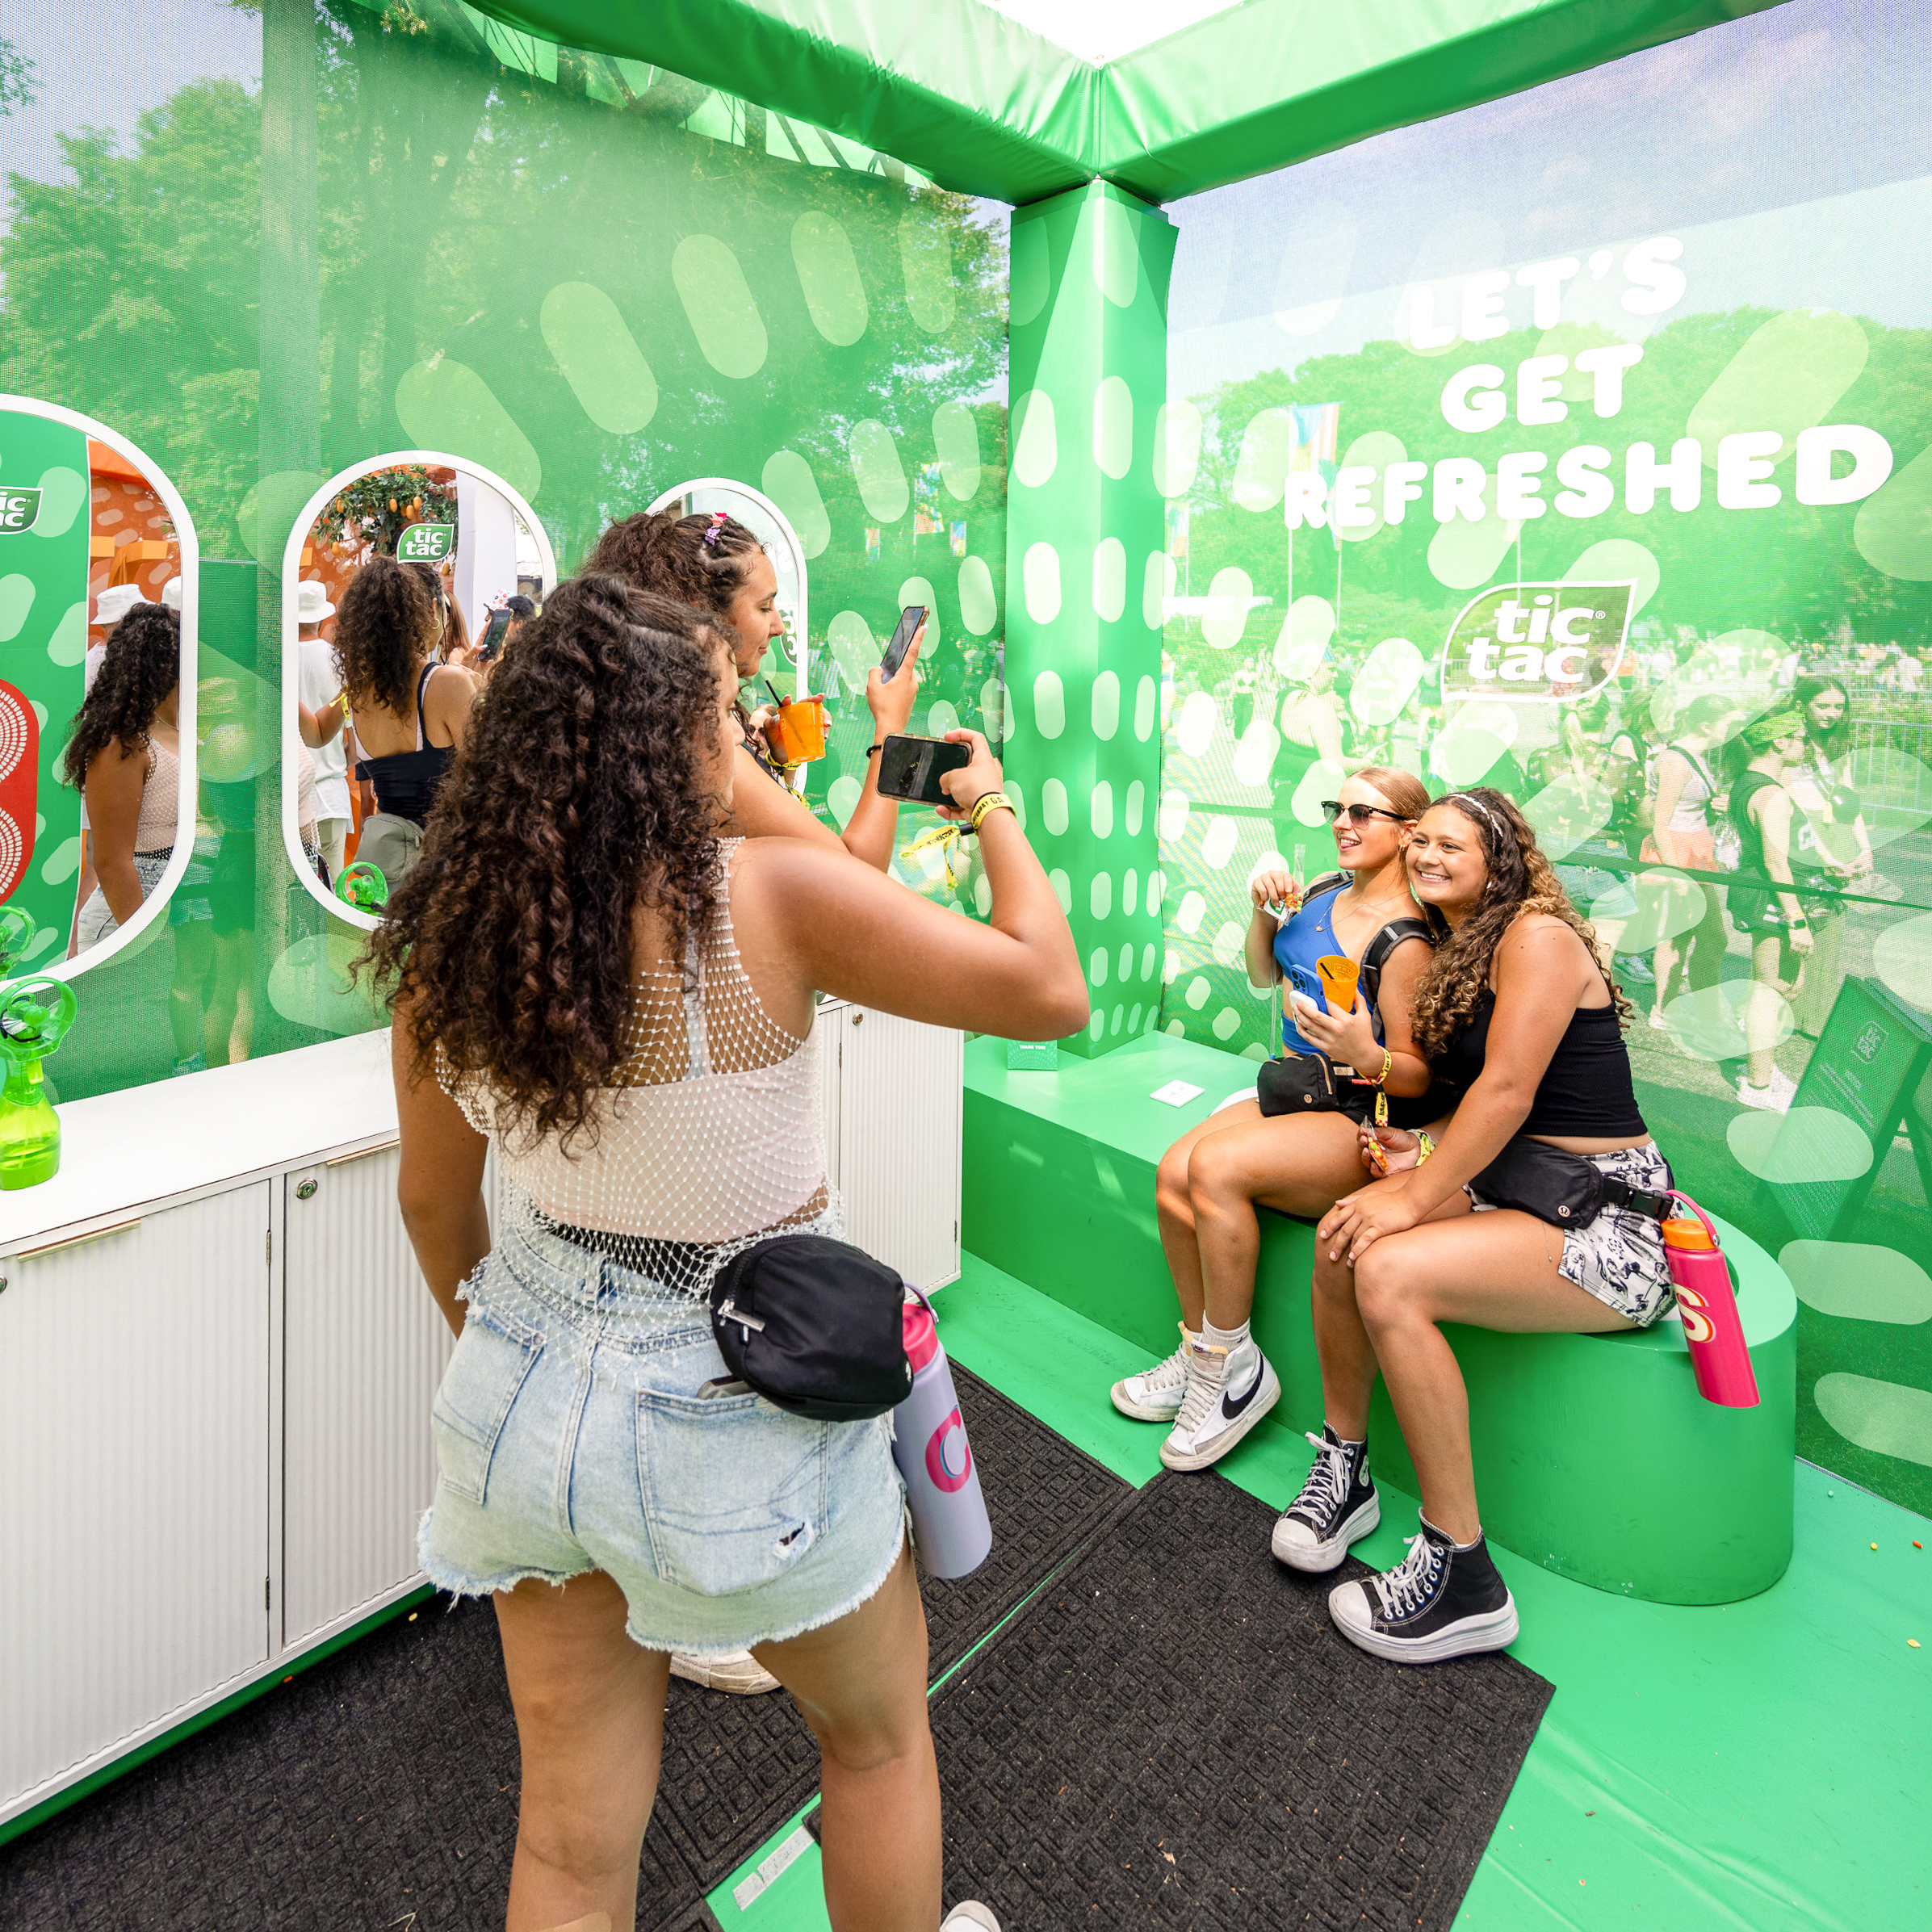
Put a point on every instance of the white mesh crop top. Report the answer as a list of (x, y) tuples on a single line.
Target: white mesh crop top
[(708, 1139)]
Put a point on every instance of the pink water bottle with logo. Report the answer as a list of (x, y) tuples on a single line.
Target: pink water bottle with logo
[(929, 1444), (1719, 1358)]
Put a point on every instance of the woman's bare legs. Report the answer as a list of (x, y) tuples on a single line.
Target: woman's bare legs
[(860, 1684), (1300, 1166), (1762, 1006), (1496, 1270), (1174, 1210), (590, 1713)]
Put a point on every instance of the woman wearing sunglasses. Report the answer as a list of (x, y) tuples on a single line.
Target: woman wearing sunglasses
[(1217, 1385)]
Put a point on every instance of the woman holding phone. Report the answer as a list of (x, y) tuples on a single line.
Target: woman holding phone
[(1218, 1384), (620, 1000), (713, 562)]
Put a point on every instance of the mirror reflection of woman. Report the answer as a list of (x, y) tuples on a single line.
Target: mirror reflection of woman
[(1217, 1385), (716, 564), (1688, 791), (409, 713), (125, 755)]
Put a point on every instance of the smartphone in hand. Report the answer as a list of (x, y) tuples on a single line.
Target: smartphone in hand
[(911, 768), (909, 621), (494, 632)]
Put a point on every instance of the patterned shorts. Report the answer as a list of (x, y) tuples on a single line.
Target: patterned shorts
[(1619, 1257)]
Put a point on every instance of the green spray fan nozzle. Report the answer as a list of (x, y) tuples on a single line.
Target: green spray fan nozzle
[(17, 929), (363, 887), (34, 1015)]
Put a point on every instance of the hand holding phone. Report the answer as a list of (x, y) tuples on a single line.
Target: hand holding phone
[(911, 768), (494, 633), (910, 620)]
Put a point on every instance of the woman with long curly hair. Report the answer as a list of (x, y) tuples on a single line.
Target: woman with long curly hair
[(409, 712), (125, 758), (1514, 1008), (587, 975), (714, 563)]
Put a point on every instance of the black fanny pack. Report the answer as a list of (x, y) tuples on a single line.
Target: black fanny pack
[(1312, 1083), (814, 1326), (1565, 1189)]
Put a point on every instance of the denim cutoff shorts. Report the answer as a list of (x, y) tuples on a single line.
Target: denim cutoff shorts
[(571, 1436)]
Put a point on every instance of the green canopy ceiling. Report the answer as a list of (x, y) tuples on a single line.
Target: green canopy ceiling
[(983, 104)]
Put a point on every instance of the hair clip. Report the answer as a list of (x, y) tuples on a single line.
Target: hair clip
[(718, 520)]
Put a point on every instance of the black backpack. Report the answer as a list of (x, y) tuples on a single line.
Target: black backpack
[(1375, 955)]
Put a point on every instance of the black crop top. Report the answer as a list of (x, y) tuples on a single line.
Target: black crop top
[(1585, 1092), (407, 783)]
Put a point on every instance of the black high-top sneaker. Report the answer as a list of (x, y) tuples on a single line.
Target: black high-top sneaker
[(1337, 1505), (1439, 1601)]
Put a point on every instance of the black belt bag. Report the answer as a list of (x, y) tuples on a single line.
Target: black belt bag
[(1312, 1083), (814, 1326), (1565, 1189)]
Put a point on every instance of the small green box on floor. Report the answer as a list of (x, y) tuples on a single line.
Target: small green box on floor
[(1032, 1056)]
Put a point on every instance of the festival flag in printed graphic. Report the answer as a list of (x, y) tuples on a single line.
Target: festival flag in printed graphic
[(1313, 443)]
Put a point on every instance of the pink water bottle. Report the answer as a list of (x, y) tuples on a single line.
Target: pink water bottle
[(929, 1444), (1719, 1357)]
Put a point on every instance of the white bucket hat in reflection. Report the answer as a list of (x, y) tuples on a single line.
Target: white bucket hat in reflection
[(170, 595), (115, 602), (312, 603)]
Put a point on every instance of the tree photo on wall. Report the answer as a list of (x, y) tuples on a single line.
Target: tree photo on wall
[(378, 507)]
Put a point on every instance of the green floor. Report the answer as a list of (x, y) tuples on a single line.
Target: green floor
[(1763, 1766)]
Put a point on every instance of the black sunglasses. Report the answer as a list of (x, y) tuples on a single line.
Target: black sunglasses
[(1360, 815)]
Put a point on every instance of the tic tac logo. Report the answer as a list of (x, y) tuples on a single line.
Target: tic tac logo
[(1541, 644), (19, 511), (1869, 1043), (424, 543), (949, 1458)]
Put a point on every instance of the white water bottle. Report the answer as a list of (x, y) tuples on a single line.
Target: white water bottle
[(929, 1444)]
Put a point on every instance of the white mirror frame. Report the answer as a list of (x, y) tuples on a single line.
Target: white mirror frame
[(800, 650), (291, 567), (156, 903)]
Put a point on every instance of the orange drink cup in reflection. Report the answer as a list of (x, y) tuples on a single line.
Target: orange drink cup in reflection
[(800, 729), (1339, 976)]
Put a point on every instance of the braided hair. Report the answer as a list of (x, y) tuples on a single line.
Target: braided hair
[(577, 799), (1520, 880), (387, 623), (142, 666), (703, 561)]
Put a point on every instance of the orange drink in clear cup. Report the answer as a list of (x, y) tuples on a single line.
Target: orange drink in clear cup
[(1338, 974), (800, 729)]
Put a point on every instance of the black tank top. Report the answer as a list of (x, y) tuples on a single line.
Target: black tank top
[(1585, 1092), (407, 783)]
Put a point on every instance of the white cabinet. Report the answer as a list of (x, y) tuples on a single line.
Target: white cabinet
[(135, 1566), (894, 1098), (364, 1347)]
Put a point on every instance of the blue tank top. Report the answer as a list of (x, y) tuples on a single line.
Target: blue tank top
[(1298, 945)]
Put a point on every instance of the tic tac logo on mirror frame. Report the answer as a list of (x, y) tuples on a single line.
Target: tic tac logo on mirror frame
[(1538, 643), (19, 511)]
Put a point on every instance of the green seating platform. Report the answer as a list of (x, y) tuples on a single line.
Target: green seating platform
[(1595, 1454)]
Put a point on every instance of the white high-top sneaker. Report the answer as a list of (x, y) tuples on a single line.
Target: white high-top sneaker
[(1154, 1395), (1226, 1395)]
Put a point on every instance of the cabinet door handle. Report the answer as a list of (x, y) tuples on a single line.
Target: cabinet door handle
[(395, 1140), (54, 1247)]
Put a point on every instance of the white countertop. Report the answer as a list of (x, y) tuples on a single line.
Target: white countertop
[(120, 1151)]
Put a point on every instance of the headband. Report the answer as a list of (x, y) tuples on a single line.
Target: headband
[(1786, 723), (1463, 798)]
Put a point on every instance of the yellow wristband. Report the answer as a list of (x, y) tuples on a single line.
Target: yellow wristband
[(990, 801), (1387, 1062), (1426, 1145)]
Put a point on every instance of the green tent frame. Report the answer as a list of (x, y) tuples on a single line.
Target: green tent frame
[(987, 107)]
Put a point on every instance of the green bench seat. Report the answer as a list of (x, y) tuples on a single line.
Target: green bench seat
[(1595, 1454)]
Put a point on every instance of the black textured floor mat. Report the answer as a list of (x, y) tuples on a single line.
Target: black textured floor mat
[(1174, 1734), (382, 1781), (736, 1768)]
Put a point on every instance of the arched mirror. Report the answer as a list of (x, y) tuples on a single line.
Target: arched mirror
[(404, 582), (770, 526), (99, 757)]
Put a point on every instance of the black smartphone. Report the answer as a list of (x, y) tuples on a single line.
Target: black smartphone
[(911, 768), (493, 634), (909, 621)]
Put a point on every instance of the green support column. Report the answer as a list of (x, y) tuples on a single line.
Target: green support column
[(1085, 536)]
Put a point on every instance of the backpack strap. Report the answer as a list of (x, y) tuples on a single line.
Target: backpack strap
[(1375, 954), (1329, 881)]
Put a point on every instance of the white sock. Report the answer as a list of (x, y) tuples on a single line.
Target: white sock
[(1227, 1338)]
